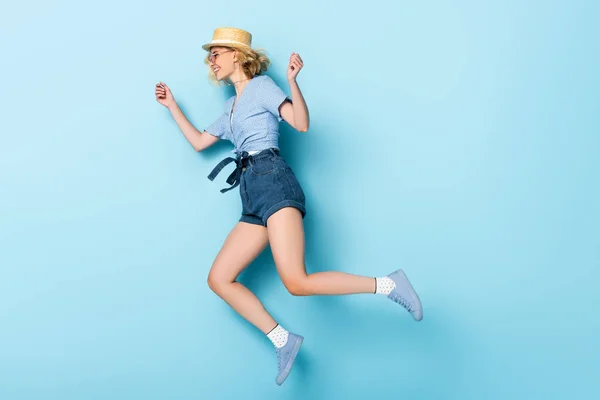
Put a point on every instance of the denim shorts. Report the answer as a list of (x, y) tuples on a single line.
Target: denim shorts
[(267, 184)]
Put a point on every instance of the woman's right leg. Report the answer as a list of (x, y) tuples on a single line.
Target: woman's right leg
[(243, 244)]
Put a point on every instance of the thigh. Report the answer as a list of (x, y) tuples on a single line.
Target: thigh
[(243, 244), (286, 237)]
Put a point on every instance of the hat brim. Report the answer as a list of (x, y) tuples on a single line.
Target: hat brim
[(225, 43)]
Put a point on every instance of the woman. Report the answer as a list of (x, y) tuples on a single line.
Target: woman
[(273, 203)]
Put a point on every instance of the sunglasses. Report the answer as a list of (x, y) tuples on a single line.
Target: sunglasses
[(212, 57)]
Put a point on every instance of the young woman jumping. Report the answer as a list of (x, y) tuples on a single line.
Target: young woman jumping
[(273, 202)]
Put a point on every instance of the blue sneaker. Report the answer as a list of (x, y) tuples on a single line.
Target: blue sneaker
[(405, 295), (286, 356)]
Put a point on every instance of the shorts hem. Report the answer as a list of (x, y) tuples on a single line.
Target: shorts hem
[(251, 220), (282, 204)]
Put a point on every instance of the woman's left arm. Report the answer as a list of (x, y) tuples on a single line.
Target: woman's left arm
[(296, 112)]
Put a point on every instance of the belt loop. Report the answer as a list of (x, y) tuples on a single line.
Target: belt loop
[(244, 155)]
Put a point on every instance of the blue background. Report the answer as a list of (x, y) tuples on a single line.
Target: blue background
[(456, 139)]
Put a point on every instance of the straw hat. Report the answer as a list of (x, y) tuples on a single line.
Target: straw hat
[(230, 37)]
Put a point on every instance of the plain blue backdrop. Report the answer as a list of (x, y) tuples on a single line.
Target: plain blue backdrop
[(458, 140)]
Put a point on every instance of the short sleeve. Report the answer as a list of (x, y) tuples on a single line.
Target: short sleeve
[(272, 96), (217, 128)]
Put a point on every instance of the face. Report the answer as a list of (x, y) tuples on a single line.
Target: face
[(221, 61)]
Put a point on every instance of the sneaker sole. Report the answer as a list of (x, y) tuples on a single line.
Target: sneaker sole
[(288, 367)]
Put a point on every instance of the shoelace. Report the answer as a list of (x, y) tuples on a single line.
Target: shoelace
[(402, 301)]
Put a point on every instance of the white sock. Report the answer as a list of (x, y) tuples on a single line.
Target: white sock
[(384, 285), (278, 336)]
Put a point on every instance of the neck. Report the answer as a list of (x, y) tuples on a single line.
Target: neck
[(239, 81)]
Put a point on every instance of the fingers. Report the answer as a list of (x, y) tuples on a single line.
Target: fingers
[(161, 90), (295, 65), (296, 62), (296, 57), (163, 94)]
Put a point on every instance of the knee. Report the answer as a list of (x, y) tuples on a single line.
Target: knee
[(216, 284), (298, 286)]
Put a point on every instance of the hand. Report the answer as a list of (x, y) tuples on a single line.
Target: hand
[(294, 67), (164, 95)]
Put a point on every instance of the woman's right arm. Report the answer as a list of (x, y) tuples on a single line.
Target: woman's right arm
[(198, 140)]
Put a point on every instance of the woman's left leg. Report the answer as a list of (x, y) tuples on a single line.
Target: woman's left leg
[(286, 238)]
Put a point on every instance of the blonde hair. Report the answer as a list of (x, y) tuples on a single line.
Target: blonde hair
[(252, 61)]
